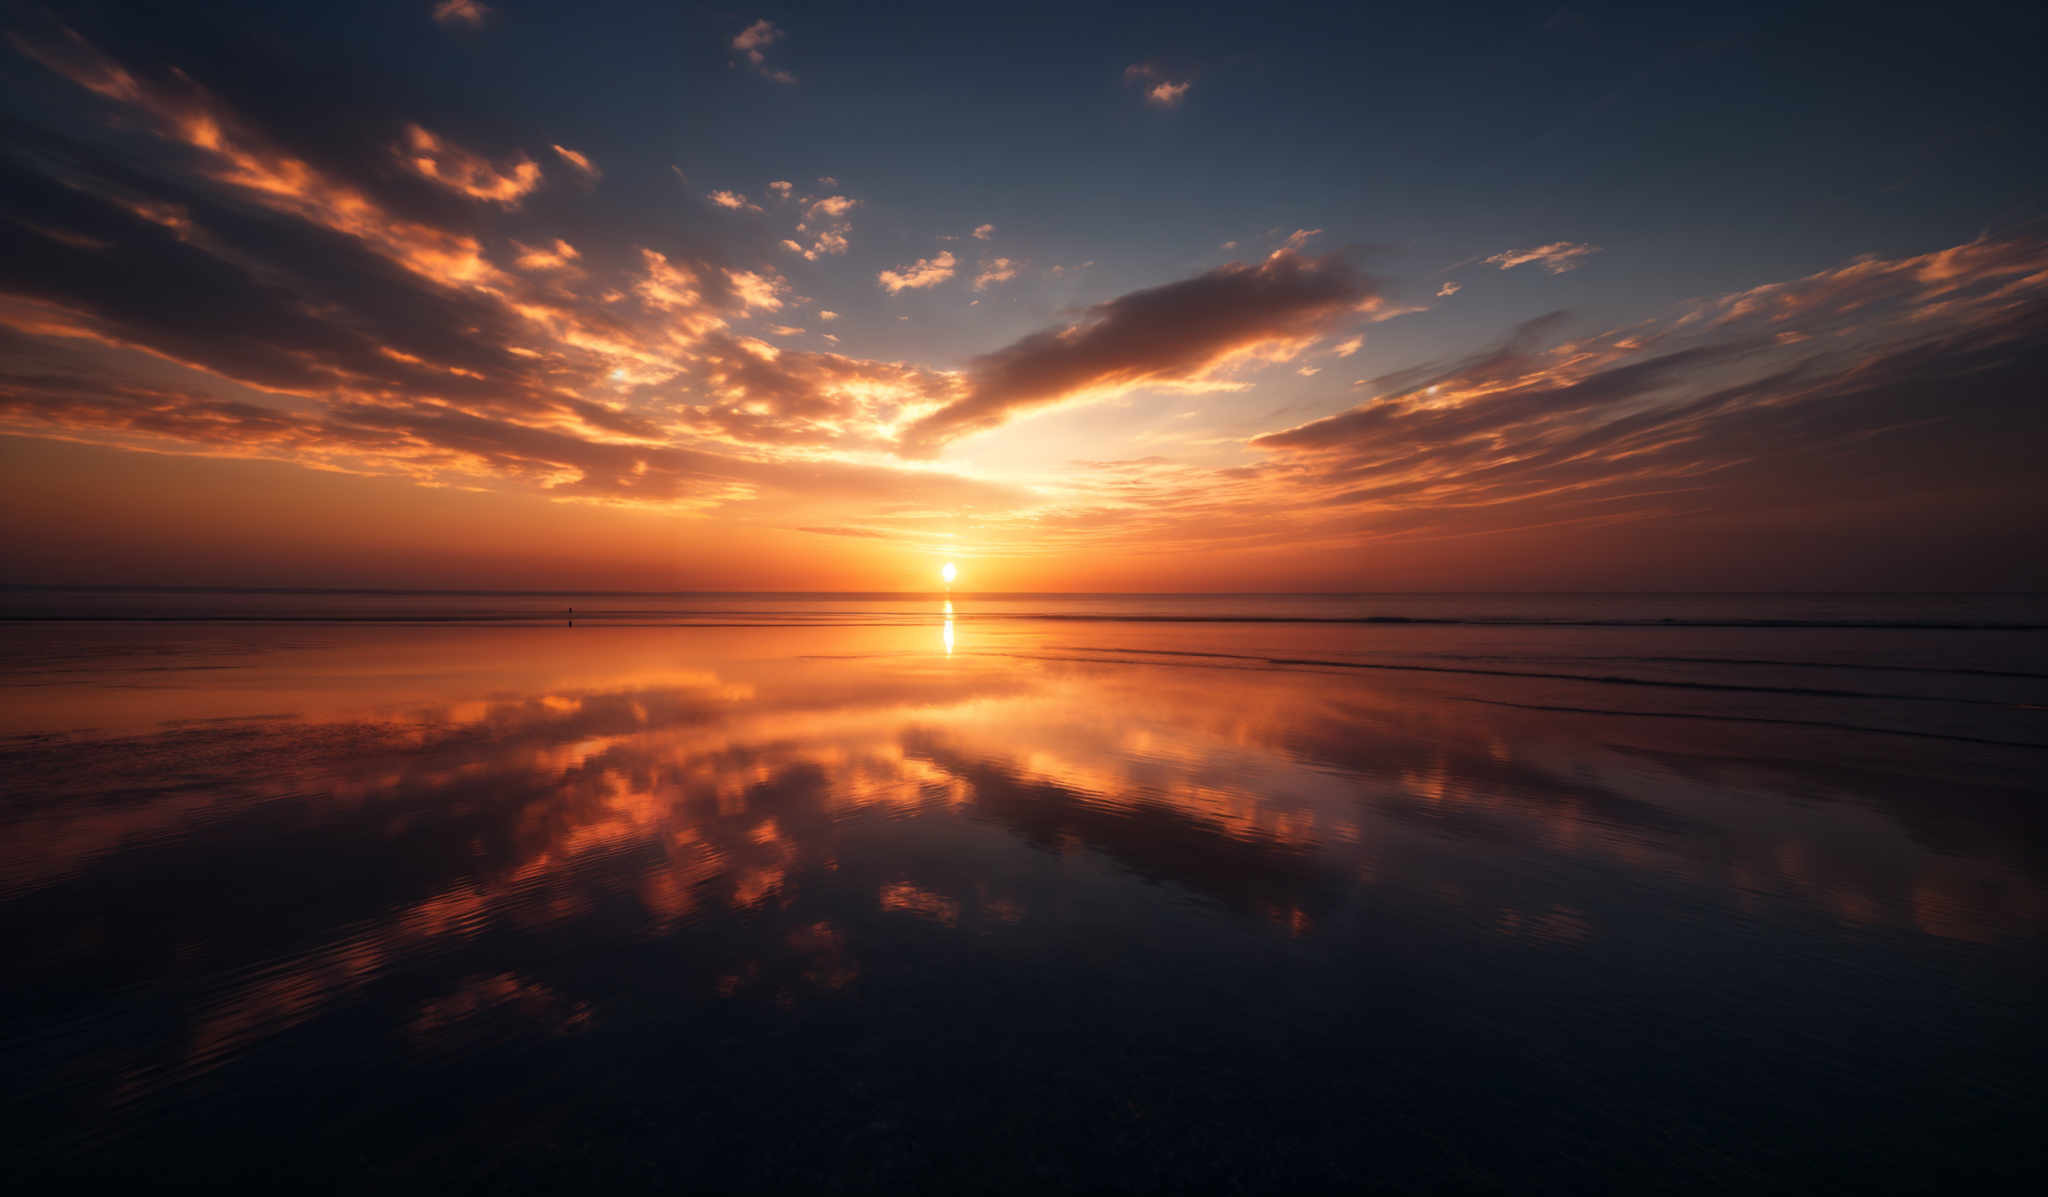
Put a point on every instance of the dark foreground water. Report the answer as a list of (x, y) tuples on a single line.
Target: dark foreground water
[(1720, 894)]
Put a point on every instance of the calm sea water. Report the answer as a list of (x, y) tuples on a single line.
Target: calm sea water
[(715, 892)]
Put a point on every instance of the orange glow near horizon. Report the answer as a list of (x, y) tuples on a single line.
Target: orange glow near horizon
[(822, 410)]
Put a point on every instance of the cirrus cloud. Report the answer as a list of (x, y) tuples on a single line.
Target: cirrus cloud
[(1556, 257)]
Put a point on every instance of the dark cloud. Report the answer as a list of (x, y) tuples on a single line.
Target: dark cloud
[(1175, 334)]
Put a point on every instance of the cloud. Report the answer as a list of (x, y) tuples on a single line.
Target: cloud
[(465, 173), (1348, 347), (995, 270), (1715, 402), (265, 306), (1448, 290), (732, 201), (1159, 89), (1557, 257), (556, 258), (467, 13), (925, 272), (754, 290), (234, 155), (1301, 237), (983, 232), (1181, 334), (832, 207), (579, 162), (782, 188), (827, 226), (753, 42)]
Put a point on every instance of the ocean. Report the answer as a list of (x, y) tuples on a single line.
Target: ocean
[(1406, 893)]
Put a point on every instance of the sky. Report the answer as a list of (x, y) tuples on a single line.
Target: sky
[(446, 293)]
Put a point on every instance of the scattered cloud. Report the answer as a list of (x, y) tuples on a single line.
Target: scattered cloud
[(732, 201), (827, 225), (925, 272), (1350, 346), (1448, 290), (1557, 257), (782, 188), (993, 271), (984, 231), (753, 42)]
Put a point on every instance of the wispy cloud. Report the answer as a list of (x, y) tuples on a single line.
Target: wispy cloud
[(1557, 257), (581, 163), (464, 173)]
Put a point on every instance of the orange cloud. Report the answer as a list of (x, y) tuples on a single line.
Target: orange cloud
[(465, 173), (1159, 88), (582, 164), (240, 158), (1557, 257), (995, 270), (755, 290), (825, 221), (925, 272), (556, 258), (469, 13), (753, 42), (732, 201)]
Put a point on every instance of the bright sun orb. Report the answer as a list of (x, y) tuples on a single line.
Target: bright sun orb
[(949, 573)]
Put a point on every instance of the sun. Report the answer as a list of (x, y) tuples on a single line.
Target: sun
[(948, 572)]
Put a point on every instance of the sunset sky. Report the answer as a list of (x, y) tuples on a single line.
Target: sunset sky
[(1256, 298)]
